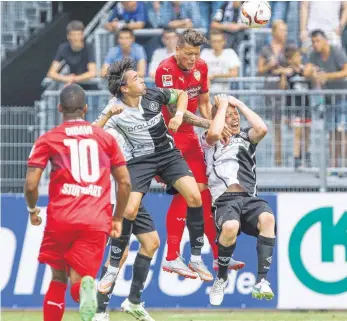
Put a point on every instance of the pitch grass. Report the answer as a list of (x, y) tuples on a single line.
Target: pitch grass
[(196, 316)]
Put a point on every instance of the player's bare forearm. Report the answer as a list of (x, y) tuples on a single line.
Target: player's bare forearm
[(191, 118), (122, 178), (31, 191), (101, 121), (205, 105), (182, 101)]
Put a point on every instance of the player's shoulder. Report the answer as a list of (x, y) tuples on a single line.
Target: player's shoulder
[(201, 63), (154, 93), (168, 64)]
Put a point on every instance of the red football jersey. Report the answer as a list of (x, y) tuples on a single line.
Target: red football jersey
[(194, 82), (81, 156)]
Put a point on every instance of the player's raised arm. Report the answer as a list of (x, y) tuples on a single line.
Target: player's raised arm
[(37, 162), (180, 98), (105, 116), (259, 128), (205, 105), (214, 133)]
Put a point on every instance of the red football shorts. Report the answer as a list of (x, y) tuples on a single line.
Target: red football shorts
[(189, 145), (82, 251)]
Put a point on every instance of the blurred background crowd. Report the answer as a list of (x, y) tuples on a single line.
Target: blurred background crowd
[(292, 72)]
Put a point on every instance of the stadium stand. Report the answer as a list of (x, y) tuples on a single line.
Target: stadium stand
[(20, 20)]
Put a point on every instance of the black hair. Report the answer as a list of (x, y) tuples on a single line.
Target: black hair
[(72, 98), (116, 75), (126, 29), (318, 32), (290, 50), (191, 37)]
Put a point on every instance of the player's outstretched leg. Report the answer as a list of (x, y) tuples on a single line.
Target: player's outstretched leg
[(133, 304), (54, 302), (195, 223), (265, 245), (87, 298), (226, 247), (104, 298)]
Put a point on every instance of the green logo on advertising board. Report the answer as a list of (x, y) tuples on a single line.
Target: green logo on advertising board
[(332, 234)]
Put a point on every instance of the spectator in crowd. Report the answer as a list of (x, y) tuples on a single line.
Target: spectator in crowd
[(292, 78), (179, 14), (208, 9), (280, 10), (127, 14), (222, 63), (270, 62), (228, 20), (169, 40), (331, 65), (127, 47), (154, 14), (329, 16), (77, 55)]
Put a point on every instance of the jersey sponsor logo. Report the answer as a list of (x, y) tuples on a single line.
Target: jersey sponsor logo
[(147, 124), (193, 92), (197, 75), (154, 106), (167, 80), (244, 135), (237, 141), (76, 190)]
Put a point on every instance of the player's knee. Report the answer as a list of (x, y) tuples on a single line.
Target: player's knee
[(266, 221), (131, 212), (230, 229), (194, 199), (151, 247)]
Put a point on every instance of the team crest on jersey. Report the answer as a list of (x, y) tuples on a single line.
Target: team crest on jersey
[(197, 75), (167, 80), (154, 106)]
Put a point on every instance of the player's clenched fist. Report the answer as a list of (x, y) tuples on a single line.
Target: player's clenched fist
[(115, 110), (35, 219), (116, 227), (175, 122)]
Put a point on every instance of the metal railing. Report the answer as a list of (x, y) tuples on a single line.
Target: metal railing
[(305, 144)]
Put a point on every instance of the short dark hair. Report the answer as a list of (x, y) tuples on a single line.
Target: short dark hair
[(191, 37), (126, 29), (318, 32), (116, 75), (74, 25), (72, 98), (290, 51)]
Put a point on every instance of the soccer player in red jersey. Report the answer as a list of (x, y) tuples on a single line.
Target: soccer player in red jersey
[(186, 71), (79, 213)]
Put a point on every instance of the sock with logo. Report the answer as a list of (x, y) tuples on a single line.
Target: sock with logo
[(224, 255), (195, 225), (140, 271), (209, 225), (119, 245), (104, 299), (265, 247), (54, 302), (175, 224), (75, 291)]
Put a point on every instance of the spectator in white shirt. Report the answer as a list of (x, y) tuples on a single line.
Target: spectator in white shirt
[(169, 40), (329, 16), (222, 63)]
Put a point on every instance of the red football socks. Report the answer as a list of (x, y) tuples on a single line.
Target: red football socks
[(209, 225), (75, 291), (54, 302), (176, 222)]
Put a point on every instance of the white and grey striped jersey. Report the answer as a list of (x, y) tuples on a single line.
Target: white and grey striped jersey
[(230, 164), (143, 129)]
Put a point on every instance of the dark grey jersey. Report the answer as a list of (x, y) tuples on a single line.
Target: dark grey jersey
[(143, 128), (231, 164)]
